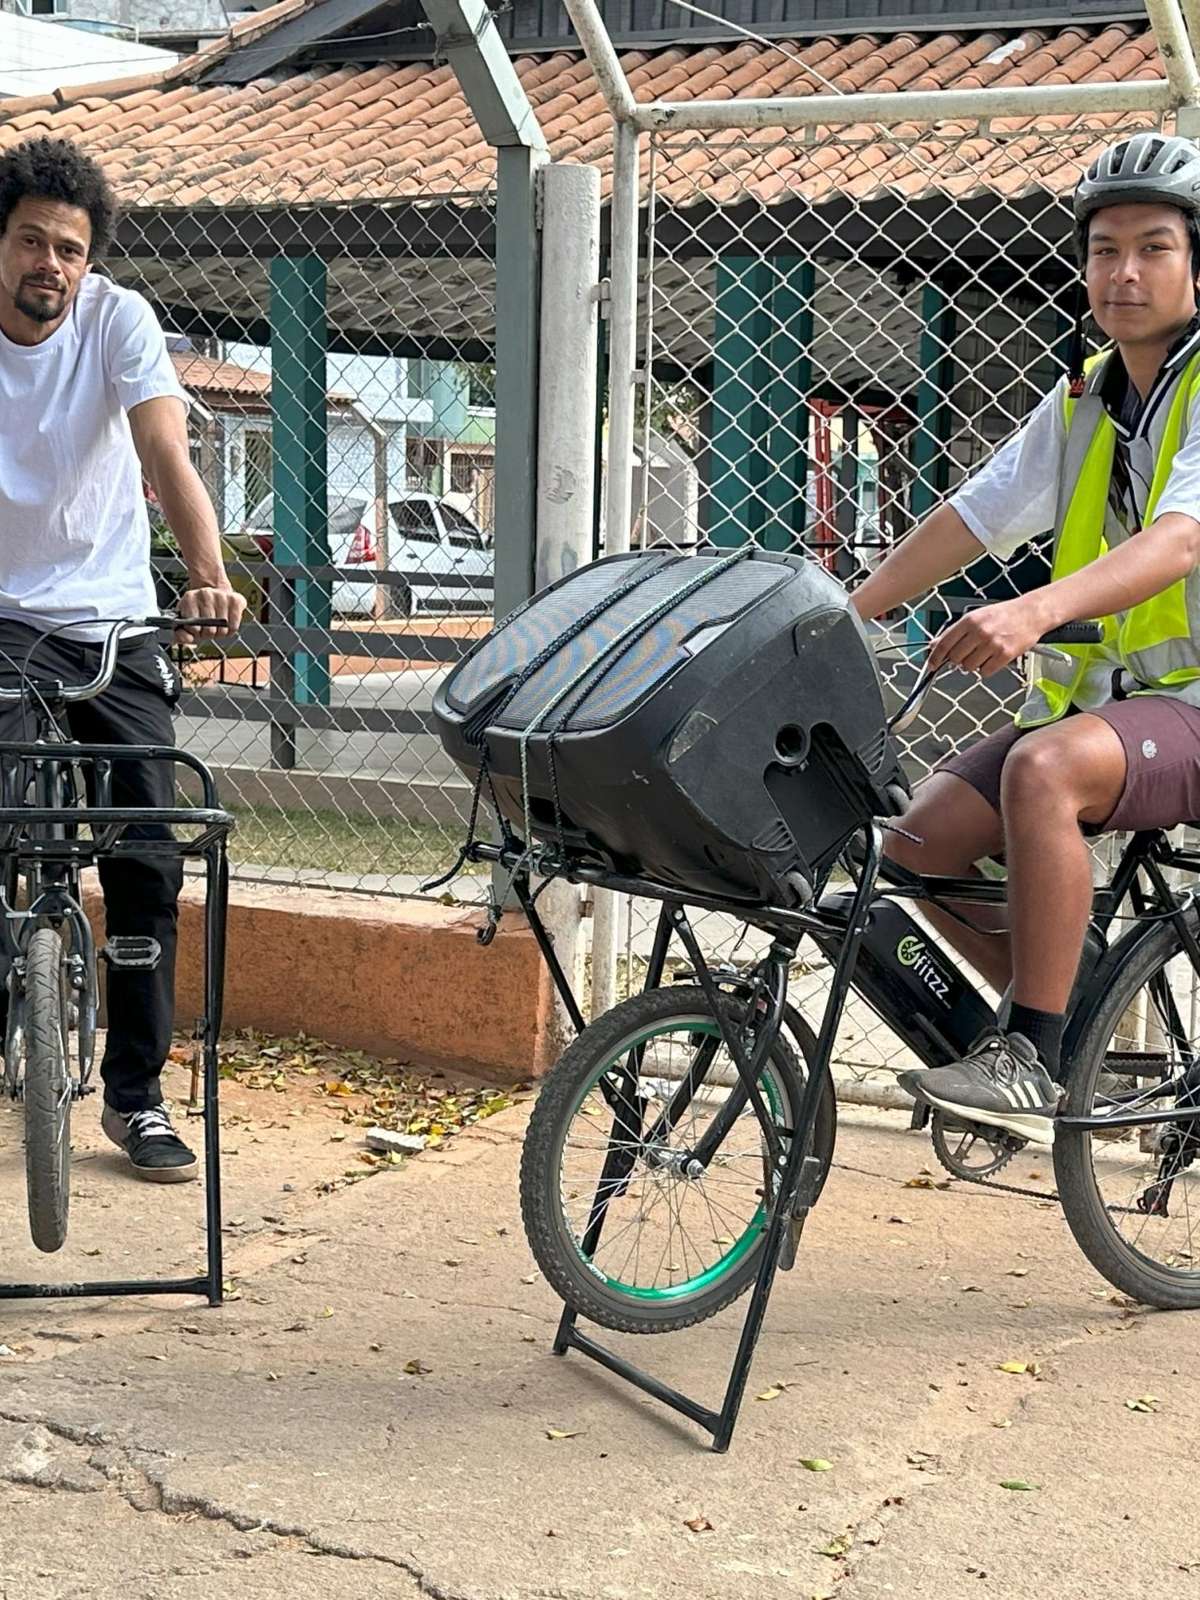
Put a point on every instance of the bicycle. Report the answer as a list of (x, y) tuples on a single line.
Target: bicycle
[(714, 1095), (47, 837)]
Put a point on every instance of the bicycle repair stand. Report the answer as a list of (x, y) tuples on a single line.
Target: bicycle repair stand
[(108, 825), (800, 1173)]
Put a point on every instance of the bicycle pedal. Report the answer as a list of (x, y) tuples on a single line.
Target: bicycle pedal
[(132, 951)]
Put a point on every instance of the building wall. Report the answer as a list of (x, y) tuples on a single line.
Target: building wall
[(145, 14)]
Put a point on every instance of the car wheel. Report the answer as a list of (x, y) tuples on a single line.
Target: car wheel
[(397, 602)]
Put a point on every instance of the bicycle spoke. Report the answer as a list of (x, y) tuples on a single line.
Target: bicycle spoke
[(661, 1229)]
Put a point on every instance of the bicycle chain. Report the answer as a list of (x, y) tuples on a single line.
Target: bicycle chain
[(986, 1182), (1010, 1188)]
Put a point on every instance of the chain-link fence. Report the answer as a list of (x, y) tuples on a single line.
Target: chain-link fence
[(835, 329), (339, 358)]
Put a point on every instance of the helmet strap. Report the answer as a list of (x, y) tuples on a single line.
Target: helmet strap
[(1075, 349)]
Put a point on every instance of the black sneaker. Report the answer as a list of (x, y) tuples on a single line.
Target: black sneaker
[(999, 1082), (157, 1152)]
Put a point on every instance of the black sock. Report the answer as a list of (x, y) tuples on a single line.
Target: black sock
[(1044, 1030)]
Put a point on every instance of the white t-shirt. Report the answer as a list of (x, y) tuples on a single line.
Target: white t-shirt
[(74, 533)]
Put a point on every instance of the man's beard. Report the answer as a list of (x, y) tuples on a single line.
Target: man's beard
[(39, 305)]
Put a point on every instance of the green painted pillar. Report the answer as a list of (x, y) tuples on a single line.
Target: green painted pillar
[(299, 432), (791, 381), (739, 461), (929, 456)]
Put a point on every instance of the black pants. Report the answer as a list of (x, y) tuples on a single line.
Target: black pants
[(141, 893)]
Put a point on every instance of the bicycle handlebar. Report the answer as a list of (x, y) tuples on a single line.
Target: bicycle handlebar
[(108, 657), (1068, 633)]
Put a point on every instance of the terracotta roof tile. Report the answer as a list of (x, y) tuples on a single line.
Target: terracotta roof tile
[(402, 130)]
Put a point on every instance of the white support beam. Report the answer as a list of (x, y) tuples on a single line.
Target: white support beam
[(622, 396), (471, 42), (936, 105), (1176, 49), (598, 47)]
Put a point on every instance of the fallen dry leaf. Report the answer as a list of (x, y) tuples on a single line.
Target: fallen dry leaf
[(698, 1524), (561, 1433), (837, 1546), (1144, 1402)]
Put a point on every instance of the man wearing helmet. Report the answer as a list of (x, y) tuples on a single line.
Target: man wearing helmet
[(1108, 739)]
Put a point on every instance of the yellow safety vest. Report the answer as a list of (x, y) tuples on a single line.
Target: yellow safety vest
[(1158, 641)]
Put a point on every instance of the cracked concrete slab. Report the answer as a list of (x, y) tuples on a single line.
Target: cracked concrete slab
[(147, 1442)]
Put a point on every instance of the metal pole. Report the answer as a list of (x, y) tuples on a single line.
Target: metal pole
[(517, 292), (933, 106), (593, 36), (1176, 49), (622, 365), (566, 466)]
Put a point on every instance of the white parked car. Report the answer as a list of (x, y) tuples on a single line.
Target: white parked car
[(434, 539), (444, 558), (351, 541)]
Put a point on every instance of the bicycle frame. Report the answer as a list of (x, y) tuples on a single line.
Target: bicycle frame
[(764, 989), (1146, 855)]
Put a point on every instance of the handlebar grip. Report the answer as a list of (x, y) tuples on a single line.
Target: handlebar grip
[(186, 622), (1074, 633)]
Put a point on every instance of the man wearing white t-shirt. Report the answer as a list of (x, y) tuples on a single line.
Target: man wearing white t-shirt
[(1109, 736), (89, 403)]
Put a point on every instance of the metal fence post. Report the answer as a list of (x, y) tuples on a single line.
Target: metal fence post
[(622, 364), (570, 201), (517, 250), (741, 386), (299, 435)]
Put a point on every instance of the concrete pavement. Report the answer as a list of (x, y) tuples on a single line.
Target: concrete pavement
[(370, 1416)]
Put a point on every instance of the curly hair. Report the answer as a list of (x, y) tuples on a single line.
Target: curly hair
[(57, 169)]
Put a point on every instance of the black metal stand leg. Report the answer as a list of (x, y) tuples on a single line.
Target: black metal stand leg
[(215, 921), (797, 1185)]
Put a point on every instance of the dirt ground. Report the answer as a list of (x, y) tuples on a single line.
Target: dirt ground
[(376, 1410)]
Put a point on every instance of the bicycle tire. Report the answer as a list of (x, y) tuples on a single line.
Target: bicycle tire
[(47, 1092), (1088, 1215), (580, 1283)]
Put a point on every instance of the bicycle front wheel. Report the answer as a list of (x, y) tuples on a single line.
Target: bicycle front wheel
[(47, 1079), (1132, 1196), (626, 1225)]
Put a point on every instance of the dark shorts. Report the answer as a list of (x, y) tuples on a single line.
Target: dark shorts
[(1161, 739)]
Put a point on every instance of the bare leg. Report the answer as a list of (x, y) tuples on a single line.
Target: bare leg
[(957, 827), (1055, 779)]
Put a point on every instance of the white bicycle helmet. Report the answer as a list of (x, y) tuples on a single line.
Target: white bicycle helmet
[(1147, 169)]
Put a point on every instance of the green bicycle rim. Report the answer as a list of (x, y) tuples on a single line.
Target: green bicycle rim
[(740, 1247)]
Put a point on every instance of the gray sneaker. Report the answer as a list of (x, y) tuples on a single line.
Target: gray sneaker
[(1000, 1082), (156, 1151)]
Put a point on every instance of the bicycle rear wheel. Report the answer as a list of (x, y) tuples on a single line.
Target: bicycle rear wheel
[(47, 1094), (626, 1234), (1130, 1196)]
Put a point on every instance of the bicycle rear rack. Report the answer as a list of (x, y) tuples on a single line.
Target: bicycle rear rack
[(106, 828), (801, 1176)]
